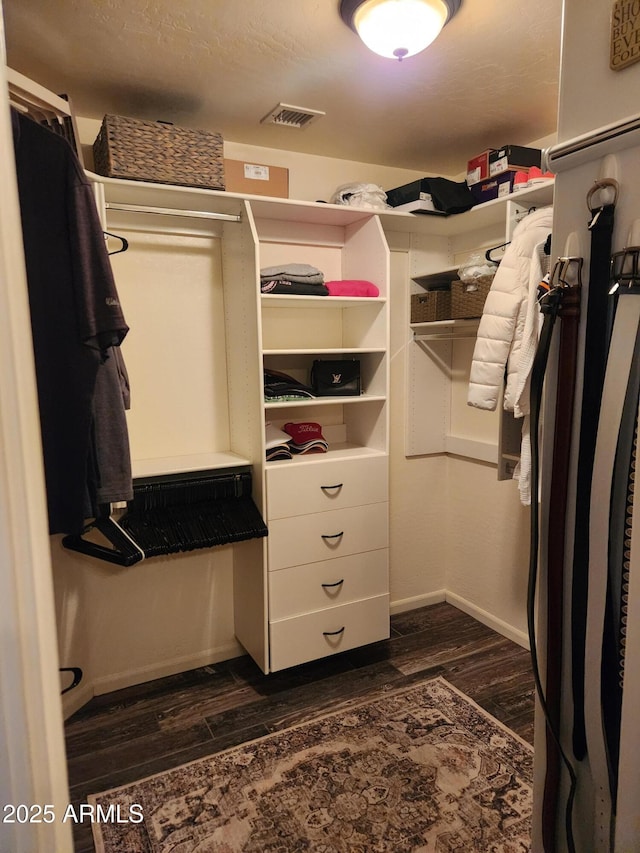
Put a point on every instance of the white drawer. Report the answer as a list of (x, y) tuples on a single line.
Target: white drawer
[(325, 535), (327, 632), (318, 486), (317, 586)]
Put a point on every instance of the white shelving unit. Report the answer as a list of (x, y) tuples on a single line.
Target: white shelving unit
[(201, 334), (327, 550), (439, 353)]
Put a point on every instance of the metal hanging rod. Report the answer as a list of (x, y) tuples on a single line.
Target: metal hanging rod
[(447, 330), (170, 211), (607, 139), (443, 336)]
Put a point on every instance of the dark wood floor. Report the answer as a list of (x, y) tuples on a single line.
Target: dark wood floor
[(132, 733)]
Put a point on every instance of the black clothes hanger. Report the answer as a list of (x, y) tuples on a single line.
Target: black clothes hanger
[(487, 254), (124, 552), (183, 512), (124, 246), (77, 677), (175, 513)]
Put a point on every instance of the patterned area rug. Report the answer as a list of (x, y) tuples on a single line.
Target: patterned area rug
[(420, 769)]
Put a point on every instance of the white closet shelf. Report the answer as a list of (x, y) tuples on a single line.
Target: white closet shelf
[(342, 451), (310, 212), (320, 301), (184, 464), (24, 90), (443, 276), (325, 351), (284, 209), (290, 210), (481, 216), (326, 401), (469, 448), (143, 193)]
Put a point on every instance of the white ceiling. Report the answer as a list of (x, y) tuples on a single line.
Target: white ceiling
[(490, 79)]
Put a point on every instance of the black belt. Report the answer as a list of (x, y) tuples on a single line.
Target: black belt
[(598, 322), (556, 530)]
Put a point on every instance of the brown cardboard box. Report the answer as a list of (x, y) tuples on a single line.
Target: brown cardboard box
[(256, 179)]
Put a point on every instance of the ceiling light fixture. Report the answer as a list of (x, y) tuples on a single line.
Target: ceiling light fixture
[(397, 28)]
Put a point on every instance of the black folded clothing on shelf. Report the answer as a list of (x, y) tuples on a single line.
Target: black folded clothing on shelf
[(280, 386), (284, 287), (282, 451), (293, 280)]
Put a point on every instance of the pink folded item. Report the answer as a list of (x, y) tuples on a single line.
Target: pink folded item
[(352, 287)]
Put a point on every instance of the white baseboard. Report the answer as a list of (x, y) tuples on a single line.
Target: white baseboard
[(488, 619), (416, 601), (118, 680), (76, 698)]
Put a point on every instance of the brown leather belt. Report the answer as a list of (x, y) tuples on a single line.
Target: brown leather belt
[(553, 306)]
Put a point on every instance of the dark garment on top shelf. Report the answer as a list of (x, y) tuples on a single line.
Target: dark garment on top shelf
[(293, 288), (280, 385), (75, 311)]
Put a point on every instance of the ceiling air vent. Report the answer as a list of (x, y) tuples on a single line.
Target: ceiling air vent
[(289, 116)]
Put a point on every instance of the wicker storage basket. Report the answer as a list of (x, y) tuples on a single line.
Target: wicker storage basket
[(430, 305), (468, 298), (162, 153)]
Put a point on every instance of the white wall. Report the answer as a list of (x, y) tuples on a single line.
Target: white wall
[(126, 625), (456, 531), (487, 531), (418, 551)]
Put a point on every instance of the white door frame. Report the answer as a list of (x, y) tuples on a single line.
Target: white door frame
[(32, 754)]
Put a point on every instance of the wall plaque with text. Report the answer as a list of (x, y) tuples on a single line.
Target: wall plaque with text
[(625, 34)]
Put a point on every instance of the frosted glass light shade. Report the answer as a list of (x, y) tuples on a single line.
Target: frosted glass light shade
[(399, 28)]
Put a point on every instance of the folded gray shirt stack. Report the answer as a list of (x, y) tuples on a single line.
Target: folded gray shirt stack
[(294, 279)]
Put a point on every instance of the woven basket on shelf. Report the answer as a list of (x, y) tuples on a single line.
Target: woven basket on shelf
[(162, 153), (468, 298), (430, 305)]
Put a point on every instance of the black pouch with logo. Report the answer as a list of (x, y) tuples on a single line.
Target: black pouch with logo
[(339, 378)]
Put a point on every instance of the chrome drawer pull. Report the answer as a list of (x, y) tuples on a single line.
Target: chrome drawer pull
[(333, 633), (332, 535), (331, 488), (329, 585)]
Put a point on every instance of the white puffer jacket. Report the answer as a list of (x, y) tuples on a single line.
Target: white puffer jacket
[(504, 315)]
